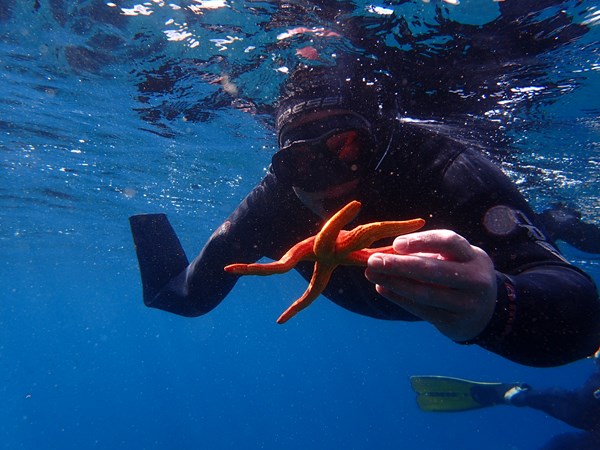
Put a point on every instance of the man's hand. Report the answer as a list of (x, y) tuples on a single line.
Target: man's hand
[(440, 277)]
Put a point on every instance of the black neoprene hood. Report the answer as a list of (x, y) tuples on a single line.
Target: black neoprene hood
[(351, 85)]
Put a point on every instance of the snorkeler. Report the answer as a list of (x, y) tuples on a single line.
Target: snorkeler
[(483, 271), (579, 408)]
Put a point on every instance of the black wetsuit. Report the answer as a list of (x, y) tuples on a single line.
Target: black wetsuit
[(547, 310), (579, 408)]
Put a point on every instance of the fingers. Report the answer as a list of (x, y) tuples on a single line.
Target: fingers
[(438, 257), (408, 292), (424, 270), (447, 243), (421, 296), (440, 277), (457, 325), (432, 314)]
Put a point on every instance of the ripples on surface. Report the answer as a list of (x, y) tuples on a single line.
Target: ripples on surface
[(123, 107)]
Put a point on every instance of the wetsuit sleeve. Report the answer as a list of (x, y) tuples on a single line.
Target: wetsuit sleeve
[(171, 284), (547, 310), (545, 316)]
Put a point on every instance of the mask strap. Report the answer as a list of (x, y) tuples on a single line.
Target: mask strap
[(389, 144)]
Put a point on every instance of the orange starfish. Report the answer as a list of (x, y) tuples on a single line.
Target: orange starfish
[(329, 248)]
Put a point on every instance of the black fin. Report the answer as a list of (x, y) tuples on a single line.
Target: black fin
[(160, 255)]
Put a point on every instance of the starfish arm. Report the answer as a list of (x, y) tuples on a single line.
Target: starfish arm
[(364, 235), (318, 283), (331, 247), (301, 251), (325, 241), (360, 257)]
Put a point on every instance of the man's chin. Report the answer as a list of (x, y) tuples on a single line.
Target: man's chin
[(326, 203)]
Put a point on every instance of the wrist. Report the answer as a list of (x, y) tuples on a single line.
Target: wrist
[(505, 313)]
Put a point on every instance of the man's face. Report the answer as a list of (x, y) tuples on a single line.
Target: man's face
[(323, 156)]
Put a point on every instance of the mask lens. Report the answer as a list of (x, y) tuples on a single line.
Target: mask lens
[(346, 145), (316, 164)]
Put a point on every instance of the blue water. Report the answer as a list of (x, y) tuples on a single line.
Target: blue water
[(85, 365)]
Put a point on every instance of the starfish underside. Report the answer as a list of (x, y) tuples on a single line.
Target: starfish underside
[(329, 248)]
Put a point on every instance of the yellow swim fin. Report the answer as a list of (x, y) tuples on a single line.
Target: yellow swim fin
[(448, 394)]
